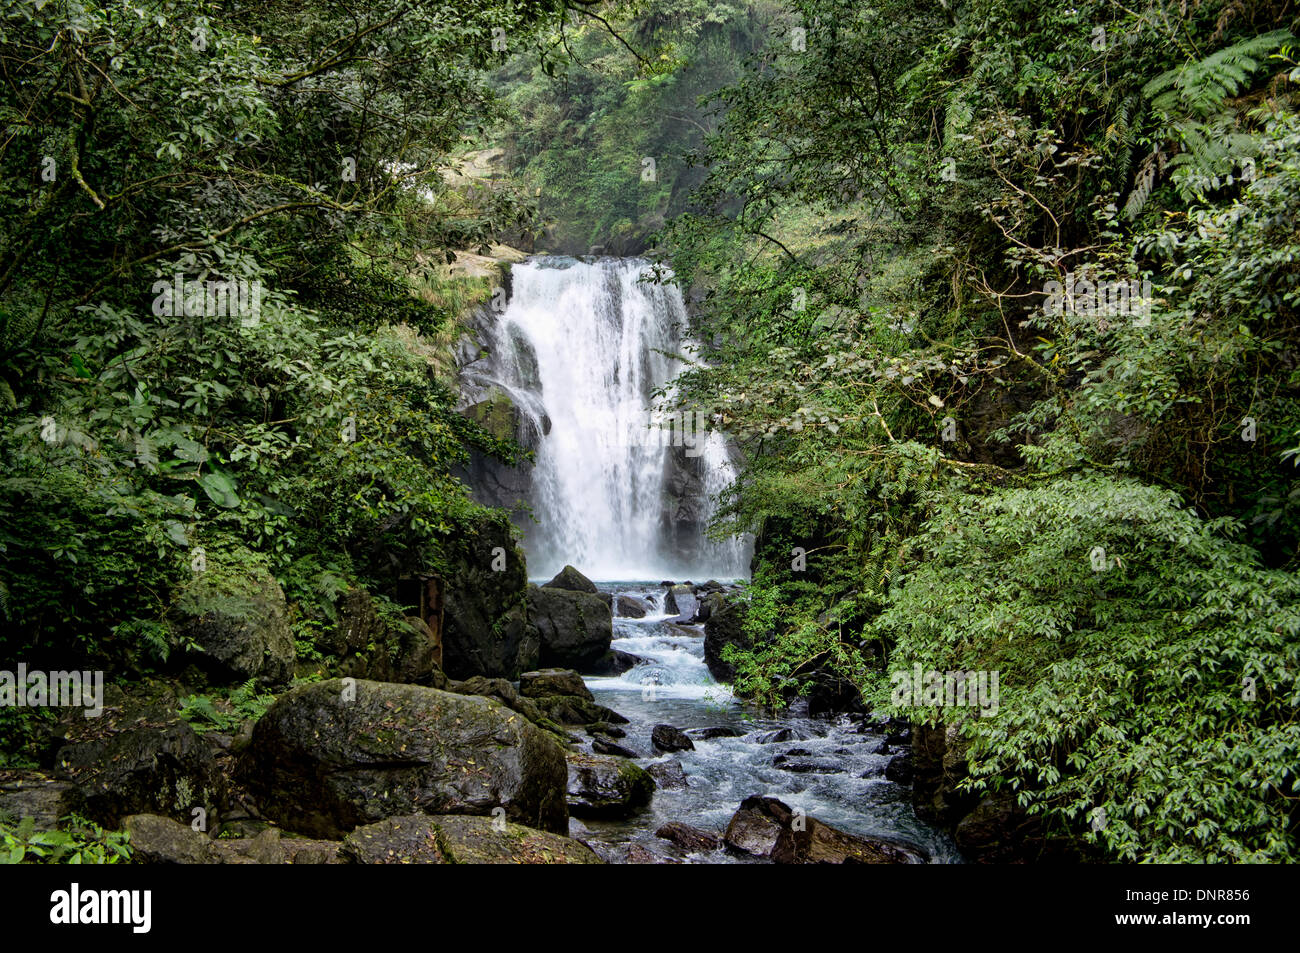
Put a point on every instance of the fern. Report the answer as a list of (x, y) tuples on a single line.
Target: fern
[(1200, 88)]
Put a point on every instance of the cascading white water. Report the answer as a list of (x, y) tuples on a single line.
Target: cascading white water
[(582, 347)]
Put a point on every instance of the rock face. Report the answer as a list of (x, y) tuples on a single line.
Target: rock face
[(668, 738), (574, 629), (485, 624), (766, 827), (139, 760), (553, 681), (725, 626), (572, 580), (234, 625), (602, 786), (452, 839), (938, 766), (34, 794), (329, 757)]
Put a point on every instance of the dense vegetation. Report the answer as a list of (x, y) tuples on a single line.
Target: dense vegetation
[(1099, 503), (878, 208)]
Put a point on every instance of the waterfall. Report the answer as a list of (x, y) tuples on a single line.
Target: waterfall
[(580, 350)]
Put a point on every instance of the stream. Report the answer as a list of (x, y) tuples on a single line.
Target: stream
[(840, 768)]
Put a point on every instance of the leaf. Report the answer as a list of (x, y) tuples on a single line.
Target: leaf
[(220, 489)]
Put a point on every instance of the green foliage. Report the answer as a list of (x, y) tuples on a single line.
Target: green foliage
[(77, 841), (226, 711), (873, 244)]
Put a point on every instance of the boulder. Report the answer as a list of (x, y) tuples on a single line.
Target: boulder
[(573, 629), (160, 840), (717, 731), (330, 757), (725, 626), (630, 607), (668, 775), (139, 760), (485, 621), (601, 786), (668, 738), (690, 839), (234, 624), (615, 662), (682, 602), (455, 839), (938, 767), (505, 693), (553, 681), (572, 580), (766, 827), (603, 745), (899, 769)]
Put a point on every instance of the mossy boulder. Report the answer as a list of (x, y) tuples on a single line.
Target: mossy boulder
[(233, 622), (485, 622), (330, 757), (605, 786)]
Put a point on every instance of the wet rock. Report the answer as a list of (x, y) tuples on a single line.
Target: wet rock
[(681, 601), (601, 786), (725, 626), (615, 662), (139, 760), (572, 580), (574, 629), (668, 775), (804, 767), (553, 681), (630, 607), (668, 738), (719, 731), (602, 745), (234, 624), (456, 839), (329, 757), (636, 854), (767, 827), (775, 737), (899, 769), (690, 839)]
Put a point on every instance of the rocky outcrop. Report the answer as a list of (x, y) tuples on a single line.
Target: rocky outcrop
[(573, 629), (602, 786), (139, 758), (34, 794), (767, 827), (452, 839), (330, 757), (725, 626), (234, 624), (485, 622)]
